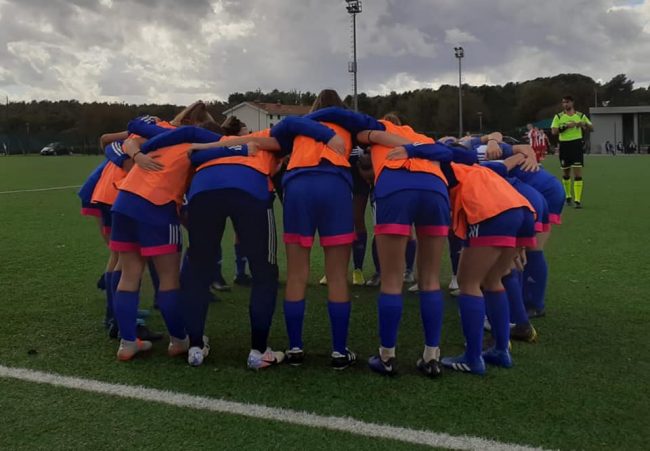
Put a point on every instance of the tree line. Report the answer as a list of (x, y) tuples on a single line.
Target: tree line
[(27, 126)]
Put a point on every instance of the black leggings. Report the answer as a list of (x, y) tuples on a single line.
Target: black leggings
[(254, 224)]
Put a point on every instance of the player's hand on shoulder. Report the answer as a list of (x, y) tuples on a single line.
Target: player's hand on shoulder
[(529, 164), (253, 148), (337, 144), (148, 162), (398, 153)]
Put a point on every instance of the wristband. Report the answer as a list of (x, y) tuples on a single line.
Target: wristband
[(133, 157), (368, 137)]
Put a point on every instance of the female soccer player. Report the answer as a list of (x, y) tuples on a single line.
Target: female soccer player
[(492, 226), (146, 225), (408, 191), (237, 187), (536, 272)]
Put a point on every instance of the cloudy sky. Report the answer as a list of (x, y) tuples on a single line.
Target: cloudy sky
[(182, 50)]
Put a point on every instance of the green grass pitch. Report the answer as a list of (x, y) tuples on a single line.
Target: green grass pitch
[(583, 386)]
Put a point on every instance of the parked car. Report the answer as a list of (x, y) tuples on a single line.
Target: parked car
[(55, 148)]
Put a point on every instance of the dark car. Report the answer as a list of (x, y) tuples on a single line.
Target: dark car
[(55, 148)]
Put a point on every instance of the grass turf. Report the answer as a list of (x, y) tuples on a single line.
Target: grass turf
[(583, 386)]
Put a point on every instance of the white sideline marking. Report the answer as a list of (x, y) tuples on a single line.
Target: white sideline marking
[(53, 188), (341, 424)]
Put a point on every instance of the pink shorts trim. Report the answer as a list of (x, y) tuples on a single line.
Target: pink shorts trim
[(106, 230), (294, 238), (493, 241), (546, 227), (554, 218), (153, 251), (123, 246), (393, 229), (539, 227), (432, 230), (527, 242), (91, 212), (337, 240)]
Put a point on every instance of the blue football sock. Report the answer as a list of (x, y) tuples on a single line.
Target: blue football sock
[(496, 305), (240, 260), (512, 284), (390, 314), (431, 311), (472, 314), (108, 278), (125, 307), (115, 281), (411, 249), (359, 250), (537, 278), (294, 316), (169, 303), (340, 322), (375, 256)]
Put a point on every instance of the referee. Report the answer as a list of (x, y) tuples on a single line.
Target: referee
[(569, 125)]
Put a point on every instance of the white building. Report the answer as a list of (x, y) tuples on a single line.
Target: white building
[(258, 116), (620, 123)]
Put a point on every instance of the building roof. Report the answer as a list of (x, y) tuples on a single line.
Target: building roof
[(620, 109), (273, 108)]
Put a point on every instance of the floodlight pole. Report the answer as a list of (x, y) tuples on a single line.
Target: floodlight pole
[(354, 7), (460, 53)]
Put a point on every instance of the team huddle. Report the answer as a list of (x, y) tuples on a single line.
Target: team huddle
[(491, 201)]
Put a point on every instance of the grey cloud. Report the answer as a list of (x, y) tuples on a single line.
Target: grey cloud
[(171, 50)]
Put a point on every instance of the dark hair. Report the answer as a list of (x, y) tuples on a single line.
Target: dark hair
[(569, 98), (212, 126), (393, 117), (327, 98), (232, 126)]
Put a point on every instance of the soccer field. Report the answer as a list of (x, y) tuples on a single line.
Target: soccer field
[(584, 385)]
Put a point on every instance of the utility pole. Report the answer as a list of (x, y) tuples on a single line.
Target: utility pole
[(460, 53), (354, 7)]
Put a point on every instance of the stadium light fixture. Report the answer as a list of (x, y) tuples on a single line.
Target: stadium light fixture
[(459, 53), (354, 7)]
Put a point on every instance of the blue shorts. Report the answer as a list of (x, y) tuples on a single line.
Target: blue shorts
[(555, 198), (427, 210), (90, 209), (318, 201), (512, 228), (131, 235), (538, 203), (107, 218)]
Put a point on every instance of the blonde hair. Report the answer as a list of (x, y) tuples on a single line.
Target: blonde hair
[(193, 114), (392, 117)]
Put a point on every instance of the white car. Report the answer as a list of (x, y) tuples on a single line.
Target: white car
[(55, 148)]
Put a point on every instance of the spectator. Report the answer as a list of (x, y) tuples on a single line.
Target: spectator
[(632, 147), (609, 148), (620, 148)]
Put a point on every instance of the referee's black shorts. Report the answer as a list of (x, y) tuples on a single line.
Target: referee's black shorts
[(571, 154)]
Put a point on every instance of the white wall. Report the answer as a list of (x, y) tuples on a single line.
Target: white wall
[(606, 127)]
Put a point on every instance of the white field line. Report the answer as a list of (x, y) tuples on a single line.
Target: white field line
[(340, 424), (53, 188)]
